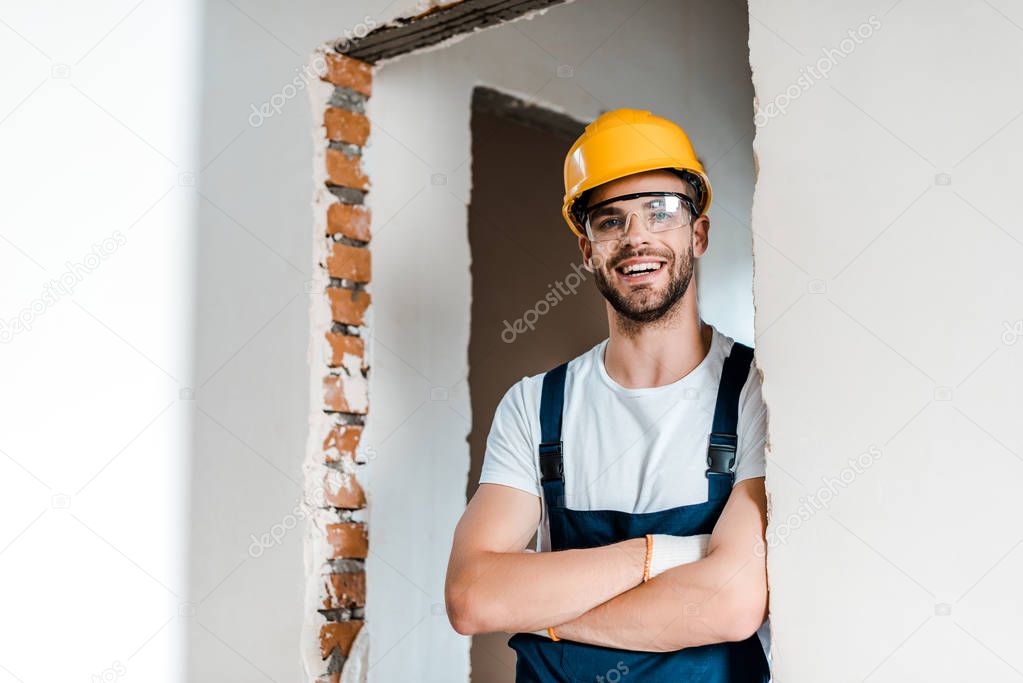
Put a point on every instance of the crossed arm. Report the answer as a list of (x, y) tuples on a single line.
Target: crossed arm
[(597, 595)]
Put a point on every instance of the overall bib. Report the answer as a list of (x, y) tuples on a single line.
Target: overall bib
[(541, 660)]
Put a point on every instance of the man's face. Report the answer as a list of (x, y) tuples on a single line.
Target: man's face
[(645, 295)]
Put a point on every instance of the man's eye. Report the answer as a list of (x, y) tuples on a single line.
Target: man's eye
[(610, 224)]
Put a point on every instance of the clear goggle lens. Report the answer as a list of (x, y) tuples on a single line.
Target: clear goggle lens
[(659, 211)]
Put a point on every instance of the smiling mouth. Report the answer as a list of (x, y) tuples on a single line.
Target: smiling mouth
[(639, 270)]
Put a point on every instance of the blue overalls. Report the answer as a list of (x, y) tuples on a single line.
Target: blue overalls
[(541, 660)]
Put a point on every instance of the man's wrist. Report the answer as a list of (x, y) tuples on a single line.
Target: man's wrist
[(635, 550)]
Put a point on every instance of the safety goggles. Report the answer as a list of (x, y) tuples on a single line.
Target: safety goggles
[(609, 220)]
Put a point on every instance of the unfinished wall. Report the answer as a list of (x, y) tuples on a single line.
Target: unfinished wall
[(686, 61), (337, 540), (254, 272), (888, 293)]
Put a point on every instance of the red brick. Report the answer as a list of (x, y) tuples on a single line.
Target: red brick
[(346, 126), (350, 220), (342, 345), (349, 73), (340, 635), (349, 496), (346, 171), (344, 438), (339, 389), (348, 306), (348, 540), (349, 263), (345, 590)]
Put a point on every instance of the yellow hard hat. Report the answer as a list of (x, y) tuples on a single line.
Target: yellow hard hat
[(627, 141)]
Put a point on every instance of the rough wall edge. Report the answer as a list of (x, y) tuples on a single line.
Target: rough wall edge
[(764, 389), (525, 110), (316, 548), (448, 42)]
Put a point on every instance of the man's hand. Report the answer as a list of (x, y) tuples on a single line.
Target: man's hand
[(720, 598), (493, 586)]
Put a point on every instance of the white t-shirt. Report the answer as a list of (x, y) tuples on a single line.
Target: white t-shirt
[(634, 450)]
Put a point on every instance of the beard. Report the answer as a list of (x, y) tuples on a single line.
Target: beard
[(647, 305)]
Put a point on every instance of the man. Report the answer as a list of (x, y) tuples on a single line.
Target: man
[(639, 463)]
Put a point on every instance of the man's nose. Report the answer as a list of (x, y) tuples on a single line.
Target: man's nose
[(635, 230)]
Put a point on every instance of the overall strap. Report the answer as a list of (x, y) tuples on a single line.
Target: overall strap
[(723, 437), (552, 467)]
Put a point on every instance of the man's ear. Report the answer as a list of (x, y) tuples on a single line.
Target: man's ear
[(701, 230), (587, 250)]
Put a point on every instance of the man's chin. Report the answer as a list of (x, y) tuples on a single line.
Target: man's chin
[(644, 303), (642, 299), (640, 308)]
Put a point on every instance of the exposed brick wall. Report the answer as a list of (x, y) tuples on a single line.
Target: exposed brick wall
[(339, 544)]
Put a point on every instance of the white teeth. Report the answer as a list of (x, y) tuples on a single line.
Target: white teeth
[(640, 268)]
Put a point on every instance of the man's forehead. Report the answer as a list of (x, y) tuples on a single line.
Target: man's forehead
[(648, 181)]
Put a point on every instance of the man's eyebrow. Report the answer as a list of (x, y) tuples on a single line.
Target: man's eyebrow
[(605, 210)]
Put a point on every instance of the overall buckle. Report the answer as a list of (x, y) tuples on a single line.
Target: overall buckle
[(552, 465), (721, 453)]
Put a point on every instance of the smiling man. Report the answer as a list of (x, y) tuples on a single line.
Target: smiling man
[(639, 464)]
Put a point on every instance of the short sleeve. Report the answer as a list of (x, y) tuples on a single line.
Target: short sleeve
[(751, 460), (509, 459)]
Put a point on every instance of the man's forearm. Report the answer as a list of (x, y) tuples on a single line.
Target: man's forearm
[(709, 601), (523, 591)]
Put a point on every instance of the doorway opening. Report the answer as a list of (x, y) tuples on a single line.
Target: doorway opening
[(476, 281), (532, 302)]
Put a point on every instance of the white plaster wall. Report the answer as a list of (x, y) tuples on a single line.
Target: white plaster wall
[(686, 61), (255, 257), (888, 296), (97, 128)]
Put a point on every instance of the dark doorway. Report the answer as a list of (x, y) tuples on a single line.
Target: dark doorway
[(521, 251)]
